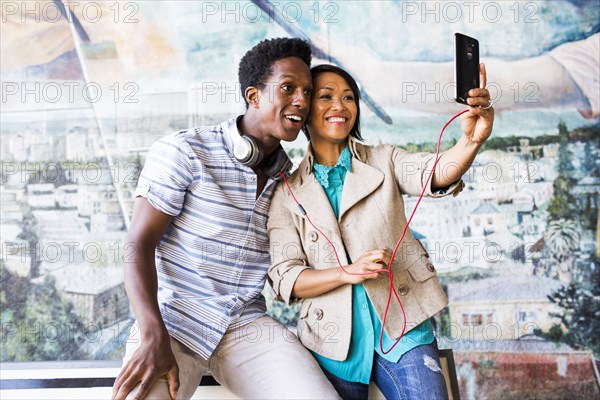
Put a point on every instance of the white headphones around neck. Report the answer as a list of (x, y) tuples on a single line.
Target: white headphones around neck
[(249, 152), (246, 149)]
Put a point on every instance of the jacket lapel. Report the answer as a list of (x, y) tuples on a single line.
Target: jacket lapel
[(359, 183), (312, 197)]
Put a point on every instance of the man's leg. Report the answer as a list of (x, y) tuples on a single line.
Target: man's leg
[(191, 369), (264, 360)]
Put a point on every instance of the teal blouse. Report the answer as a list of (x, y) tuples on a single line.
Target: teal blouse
[(366, 326)]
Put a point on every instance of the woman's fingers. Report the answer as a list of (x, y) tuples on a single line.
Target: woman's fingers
[(378, 255), (482, 75)]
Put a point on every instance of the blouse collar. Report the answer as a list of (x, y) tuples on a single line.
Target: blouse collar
[(344, 163)]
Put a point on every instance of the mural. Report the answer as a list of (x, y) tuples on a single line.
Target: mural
[(88, 86)]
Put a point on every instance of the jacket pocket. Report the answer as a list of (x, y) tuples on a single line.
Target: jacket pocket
[(305, 309), (303, 328), (420, 272)]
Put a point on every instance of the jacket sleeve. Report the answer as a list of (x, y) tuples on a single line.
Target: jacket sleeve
[(412, 171), (288, 259)]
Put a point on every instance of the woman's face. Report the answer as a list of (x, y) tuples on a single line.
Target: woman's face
[(333, 109)]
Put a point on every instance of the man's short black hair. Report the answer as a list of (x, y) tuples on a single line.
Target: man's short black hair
[(257, 64)]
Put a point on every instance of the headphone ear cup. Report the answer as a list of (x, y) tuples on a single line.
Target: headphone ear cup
[(247, 151), (279, 162)]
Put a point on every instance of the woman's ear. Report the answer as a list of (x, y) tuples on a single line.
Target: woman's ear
[(252, 96)]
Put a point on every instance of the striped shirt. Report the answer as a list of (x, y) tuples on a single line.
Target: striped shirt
[(213, 258)]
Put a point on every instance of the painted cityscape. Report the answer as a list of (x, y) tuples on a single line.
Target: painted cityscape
[(517, 251)]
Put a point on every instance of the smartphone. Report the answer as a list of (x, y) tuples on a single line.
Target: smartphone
[(466, 66)]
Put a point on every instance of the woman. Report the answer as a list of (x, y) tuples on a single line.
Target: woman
[(353, 195)]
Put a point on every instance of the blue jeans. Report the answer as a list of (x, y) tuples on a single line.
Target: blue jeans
[(417, 375)]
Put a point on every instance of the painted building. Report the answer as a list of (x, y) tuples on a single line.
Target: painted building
[(503, 308)]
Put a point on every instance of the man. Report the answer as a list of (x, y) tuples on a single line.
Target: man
[(199, 247)]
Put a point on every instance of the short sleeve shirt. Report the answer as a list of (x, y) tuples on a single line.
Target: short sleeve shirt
[(213, 258)]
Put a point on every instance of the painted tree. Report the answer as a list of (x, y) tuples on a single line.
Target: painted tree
[(28, 233), (588, 202), (564, 204), (37, 323), (562, 239), (579, 299), (580, 315), (562, 232), (589, 163)]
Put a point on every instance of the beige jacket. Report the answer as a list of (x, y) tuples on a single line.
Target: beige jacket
[(371, 216)]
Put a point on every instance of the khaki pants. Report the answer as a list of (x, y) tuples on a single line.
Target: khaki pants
[(260, 360)]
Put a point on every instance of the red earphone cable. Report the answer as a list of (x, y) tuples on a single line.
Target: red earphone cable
[(389, 270)]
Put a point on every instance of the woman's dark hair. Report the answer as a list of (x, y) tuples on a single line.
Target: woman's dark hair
[(257, 64), (319, 69)]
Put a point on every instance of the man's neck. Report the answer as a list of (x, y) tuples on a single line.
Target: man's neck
[(250, 126)]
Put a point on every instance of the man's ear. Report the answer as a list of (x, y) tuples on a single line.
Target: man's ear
[(252, 95)]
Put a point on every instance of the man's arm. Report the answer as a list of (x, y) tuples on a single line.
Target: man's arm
[(567, 81), (154, 358)]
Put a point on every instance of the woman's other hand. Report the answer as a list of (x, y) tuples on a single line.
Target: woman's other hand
[(370, 265)]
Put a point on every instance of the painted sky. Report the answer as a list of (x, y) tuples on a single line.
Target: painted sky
[(172, 46)]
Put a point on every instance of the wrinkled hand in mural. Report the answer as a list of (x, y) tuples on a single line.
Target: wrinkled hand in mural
[(565, 77)]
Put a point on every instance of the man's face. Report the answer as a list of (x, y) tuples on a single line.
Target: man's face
[(284, 102)]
